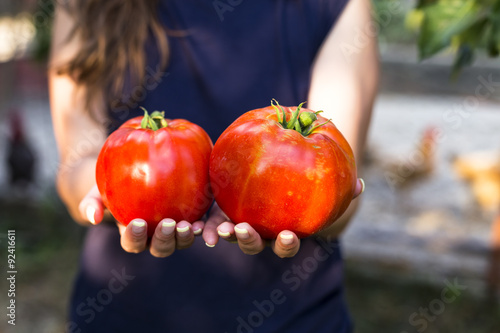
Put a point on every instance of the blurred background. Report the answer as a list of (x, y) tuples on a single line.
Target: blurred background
[(422, 254)]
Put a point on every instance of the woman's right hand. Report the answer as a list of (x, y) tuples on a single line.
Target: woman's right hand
[(169, 234)]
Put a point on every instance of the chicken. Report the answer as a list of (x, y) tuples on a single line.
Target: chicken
[(20, 156), (417, 165), (481, 170)]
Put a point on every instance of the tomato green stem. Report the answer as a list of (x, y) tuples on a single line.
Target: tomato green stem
[(301, 122), (155, 121), (282, 120)]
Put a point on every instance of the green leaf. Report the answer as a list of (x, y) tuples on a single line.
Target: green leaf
[(152, 124), (294, 119), (423, 3), (464, 57), (493, 34), (442, 21), (275, 106), (465, 25), (144, 121), (282, 121), (311, 129)]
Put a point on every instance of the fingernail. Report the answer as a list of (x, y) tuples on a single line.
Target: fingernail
[(138, 227), (167, 227), (183, 231), (90, 212), (209, 245), (362, 184), (223, 234), (243, 233), (286, 239), (197, 231)]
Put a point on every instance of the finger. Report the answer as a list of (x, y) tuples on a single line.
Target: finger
[(184, 235), (226, 231), (198, 227), (91, 207), (210, 235), (135, 236), (360, 187), (286, 245), (163, 240), (249, 240), (121, 228)]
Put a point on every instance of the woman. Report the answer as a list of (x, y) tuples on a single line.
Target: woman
[(208, 62)]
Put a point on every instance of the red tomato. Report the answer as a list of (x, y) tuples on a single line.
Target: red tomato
[(283, 175), (154, 174)]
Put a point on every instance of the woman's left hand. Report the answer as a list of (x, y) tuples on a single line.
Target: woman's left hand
[(286, 245)]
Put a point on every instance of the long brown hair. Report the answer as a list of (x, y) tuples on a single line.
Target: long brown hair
[(113, 34)]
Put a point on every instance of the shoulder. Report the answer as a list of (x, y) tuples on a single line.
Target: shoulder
[(65, 44)]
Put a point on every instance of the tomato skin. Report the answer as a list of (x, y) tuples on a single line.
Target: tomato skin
[(277, 179), (153, 175)]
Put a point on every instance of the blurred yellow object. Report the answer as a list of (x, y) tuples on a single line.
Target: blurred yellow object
[(482, 171)]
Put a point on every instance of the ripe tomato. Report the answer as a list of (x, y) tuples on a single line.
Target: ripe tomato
[(283, 168), (153, 168)]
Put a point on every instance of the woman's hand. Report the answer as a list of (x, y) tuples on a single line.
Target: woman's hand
[(169, 234), (286, 245), (218, 225)]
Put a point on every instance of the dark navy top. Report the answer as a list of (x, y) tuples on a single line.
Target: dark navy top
[(226, 57)]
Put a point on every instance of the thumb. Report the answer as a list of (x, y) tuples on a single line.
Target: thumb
[(91, 207), (360, 187)]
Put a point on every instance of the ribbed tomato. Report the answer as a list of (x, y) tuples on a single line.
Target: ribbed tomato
[(153, 168), (283, 168)]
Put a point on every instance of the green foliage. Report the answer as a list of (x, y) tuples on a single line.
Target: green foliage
[(42, 19), (390, 17), (464, 25)]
